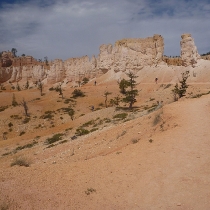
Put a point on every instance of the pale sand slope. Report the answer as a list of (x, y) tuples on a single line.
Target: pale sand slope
[(172, 172)]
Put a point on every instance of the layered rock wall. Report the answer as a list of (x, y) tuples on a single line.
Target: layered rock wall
[(124, 55), (56, 72), (131, 54)]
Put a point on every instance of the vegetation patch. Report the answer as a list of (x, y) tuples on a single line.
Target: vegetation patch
[(134, 141), (26, 120), (93, 129), (200, 94), (55, 138), (2, 108), (91, 122), (20, 161), (150, 141), (77, 93), (120, 116), (30, 145), (48, 115), (89, 191), (68, 100), (81, 132)]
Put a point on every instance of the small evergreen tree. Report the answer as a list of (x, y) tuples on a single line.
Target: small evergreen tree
[(130, 93), (46, 60), (14, 51), (18, 87), (179, 91), (85, 80), (14, 102), (71, 113)]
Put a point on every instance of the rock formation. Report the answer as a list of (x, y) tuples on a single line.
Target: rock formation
[(189, 53), (131, 54), (56, 72), (6, 59), (125, 55)]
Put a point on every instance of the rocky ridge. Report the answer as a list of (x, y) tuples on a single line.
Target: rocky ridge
[(125, 55)]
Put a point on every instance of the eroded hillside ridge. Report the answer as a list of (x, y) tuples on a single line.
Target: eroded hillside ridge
[(125, 55)]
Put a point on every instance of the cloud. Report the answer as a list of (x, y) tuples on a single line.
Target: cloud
[(73, 28)]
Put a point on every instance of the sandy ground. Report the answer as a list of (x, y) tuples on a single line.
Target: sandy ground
[(152, 160)]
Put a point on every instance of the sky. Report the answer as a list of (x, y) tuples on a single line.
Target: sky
[(75, 28)]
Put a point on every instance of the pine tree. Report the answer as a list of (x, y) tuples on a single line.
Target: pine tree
[(181, 90), (130, 93)]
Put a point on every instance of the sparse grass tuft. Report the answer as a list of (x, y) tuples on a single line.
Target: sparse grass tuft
[(150, 141), (21, 161)]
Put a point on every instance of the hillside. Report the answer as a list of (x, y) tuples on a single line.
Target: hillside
[(157, 157)]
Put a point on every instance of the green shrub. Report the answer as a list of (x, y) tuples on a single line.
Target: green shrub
[(93, 129), (30, 145), (81, 131), (85, 80), (55, 138), (48, 115), (77, 93), (10, 124), (121, 116), (91, 122)]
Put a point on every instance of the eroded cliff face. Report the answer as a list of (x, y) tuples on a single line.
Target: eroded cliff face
[(131, 54), (5, 66), (124, 55), (189, 53)]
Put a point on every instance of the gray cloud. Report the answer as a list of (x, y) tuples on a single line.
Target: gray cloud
[(70, 28)]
